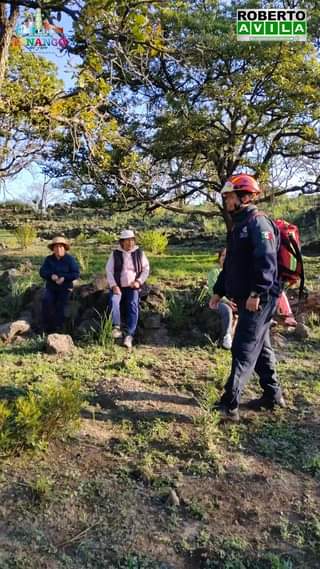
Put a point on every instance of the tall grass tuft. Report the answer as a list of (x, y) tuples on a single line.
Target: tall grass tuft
[(25, 235), (102, 333)]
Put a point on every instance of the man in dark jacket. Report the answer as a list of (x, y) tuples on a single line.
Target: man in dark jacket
[(59, 271), (250, 279)]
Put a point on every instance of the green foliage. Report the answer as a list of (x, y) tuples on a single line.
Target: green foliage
[(33, 419), (25, 235), (313, 465), (84, 257), (102, 333), (14, 300), (105, 238), (153, 241)]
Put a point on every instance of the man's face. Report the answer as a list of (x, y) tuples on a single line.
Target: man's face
[(231, 201), (127, 244), (59, 250)]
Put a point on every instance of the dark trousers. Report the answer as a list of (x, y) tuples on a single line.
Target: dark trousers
[(53, 308), (125, 306), (252, 351)]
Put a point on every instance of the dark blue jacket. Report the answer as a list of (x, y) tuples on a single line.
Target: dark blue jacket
[(66, 267), (251, 260)]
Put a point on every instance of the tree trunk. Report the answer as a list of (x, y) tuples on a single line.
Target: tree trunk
[(7, 25)]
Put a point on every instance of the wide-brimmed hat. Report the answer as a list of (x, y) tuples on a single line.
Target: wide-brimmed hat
[(59, 240), (127, 234)]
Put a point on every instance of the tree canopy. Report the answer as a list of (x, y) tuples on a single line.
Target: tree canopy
[(168, 103)]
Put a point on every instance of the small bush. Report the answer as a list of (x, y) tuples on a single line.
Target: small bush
[(25, 235), (33, 419), (153, 241), (105, 238), (84, 259), (102, 333)]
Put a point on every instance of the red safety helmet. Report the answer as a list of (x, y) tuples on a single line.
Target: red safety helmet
[(241, 183)]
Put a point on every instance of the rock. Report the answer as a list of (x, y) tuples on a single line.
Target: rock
[(152, 321), (10, 275), (173, 498), (301, 331), (100, 281), (278, 341), (86, 327), (36, 308), (10, 329), (59, 344)]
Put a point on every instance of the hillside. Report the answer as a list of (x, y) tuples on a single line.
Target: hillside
[(144, 475)]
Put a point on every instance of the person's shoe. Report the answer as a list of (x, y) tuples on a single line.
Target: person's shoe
[(127, 342), (229, 414), (116, 333), (264, 403), (227, 342)]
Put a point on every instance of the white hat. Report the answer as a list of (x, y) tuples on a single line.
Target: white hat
[(127, 234)]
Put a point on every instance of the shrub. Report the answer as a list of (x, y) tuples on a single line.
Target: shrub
[(15, 299), (84, 259), (105, 238), (33, 419), (153, 241), (26, 235), (102, 333)]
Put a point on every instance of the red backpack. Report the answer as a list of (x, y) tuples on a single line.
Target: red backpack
[(290, 263)]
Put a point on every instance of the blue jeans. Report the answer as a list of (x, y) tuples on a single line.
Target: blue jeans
[(126, 305), (54, 303), (252, 351), (226, 316)]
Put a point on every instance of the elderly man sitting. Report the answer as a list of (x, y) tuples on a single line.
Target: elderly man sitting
[(127, 269), (59, 271)]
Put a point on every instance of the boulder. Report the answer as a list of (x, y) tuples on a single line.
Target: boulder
[(10, 329), (151, 321), (301, 331), (59, 344), (100, 281)]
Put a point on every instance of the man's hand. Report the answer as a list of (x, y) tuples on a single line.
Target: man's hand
[(214, 301), (253, 304), (60, 281), (135, 284), (232, 305), (116, 289), (54, 278)]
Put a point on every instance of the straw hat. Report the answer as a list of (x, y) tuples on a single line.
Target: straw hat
[(59, 240), (127, 234)]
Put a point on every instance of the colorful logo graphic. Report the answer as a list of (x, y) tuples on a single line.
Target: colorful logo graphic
[(38, 32), (271, 25)]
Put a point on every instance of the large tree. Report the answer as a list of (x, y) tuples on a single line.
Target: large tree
[(194, 104)]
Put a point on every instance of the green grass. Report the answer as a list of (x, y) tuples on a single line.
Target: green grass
[(249, 496)]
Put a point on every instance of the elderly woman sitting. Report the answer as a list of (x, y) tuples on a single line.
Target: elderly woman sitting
[(59, 271), (127, 269)]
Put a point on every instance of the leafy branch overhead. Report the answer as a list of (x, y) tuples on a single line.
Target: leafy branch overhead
[(167, 104)]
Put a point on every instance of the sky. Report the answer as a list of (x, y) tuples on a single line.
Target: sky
[(20, 186)]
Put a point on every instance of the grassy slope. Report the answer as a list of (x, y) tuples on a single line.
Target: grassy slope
[(249, 495)]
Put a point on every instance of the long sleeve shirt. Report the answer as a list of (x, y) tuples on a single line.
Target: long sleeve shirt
[(66, 267), (128, 272), (251, 263)]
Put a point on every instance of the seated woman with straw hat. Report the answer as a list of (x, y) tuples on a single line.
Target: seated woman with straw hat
[(59, 271)]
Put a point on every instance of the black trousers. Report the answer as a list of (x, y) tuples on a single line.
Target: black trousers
[(252, 351)]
